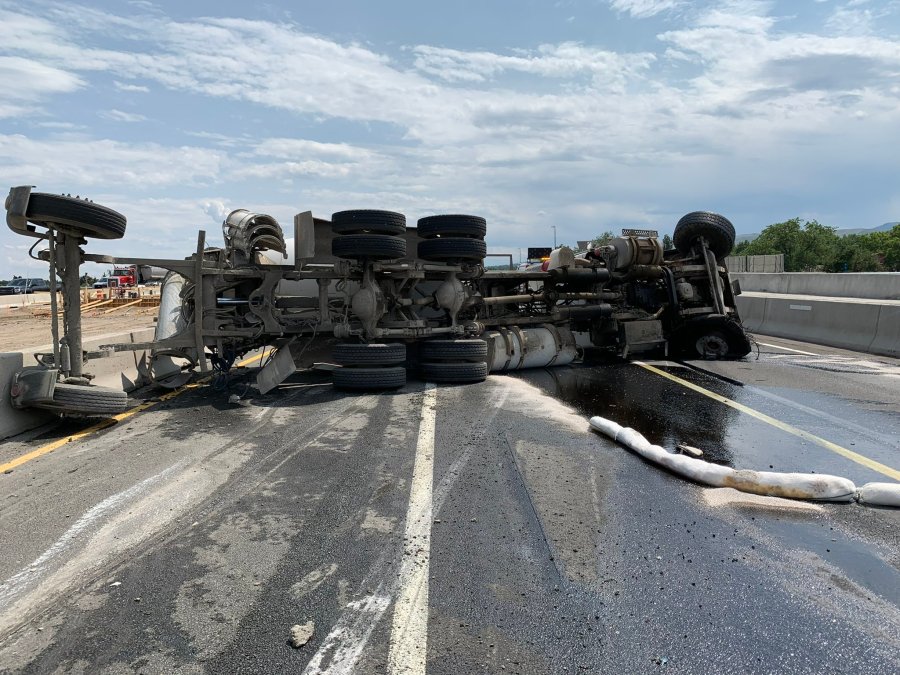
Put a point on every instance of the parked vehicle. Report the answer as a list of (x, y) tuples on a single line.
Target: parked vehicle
[(128, 276), (23, 286)]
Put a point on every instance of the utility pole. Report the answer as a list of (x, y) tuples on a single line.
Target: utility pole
[(554, 235)]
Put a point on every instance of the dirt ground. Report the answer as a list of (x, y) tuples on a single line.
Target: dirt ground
[(30, 326)]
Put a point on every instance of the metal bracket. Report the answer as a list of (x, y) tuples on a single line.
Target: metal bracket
[(16, 208), (33, 385)]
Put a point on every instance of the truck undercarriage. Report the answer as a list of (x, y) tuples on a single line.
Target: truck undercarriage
[(379, 297)]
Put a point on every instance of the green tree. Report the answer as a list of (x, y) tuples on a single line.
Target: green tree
[(887, 248), (810, 246), (807, 246), (856, 253), (602, 239), (667, 242), (599, 240), (741, 248)]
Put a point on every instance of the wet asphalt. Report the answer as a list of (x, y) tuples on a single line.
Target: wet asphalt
[(190, 537)]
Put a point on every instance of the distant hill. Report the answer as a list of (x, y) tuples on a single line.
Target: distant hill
[(887, 227)]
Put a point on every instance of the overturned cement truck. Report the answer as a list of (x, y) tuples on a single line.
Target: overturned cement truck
[(378, 299)]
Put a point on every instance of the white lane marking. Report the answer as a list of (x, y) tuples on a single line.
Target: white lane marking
[(838, 363), (349, 635), (409, 630), (353, 628), (789, 349), (16, 584)]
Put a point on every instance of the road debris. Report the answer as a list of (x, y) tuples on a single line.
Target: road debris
[(301, 634), (689, 450)]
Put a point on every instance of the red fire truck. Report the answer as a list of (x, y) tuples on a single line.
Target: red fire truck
[(128, 276)]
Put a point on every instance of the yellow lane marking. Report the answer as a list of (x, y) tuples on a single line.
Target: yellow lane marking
[(247, 362), (55, 445), (805, 435)]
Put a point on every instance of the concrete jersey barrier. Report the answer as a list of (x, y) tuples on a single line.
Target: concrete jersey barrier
[(109, 372), (870, 285), (860, 312)]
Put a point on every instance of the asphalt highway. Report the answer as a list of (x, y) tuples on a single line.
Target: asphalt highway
[(462, 529)]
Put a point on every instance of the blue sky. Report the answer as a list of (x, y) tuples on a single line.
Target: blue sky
[(589, 115)]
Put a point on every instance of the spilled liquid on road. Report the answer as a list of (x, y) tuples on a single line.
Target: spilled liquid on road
[(663, 412)]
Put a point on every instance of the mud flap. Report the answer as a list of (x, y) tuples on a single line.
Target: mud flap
[(277, 370)]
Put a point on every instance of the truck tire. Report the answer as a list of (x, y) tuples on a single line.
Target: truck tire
[(718, 231), (352, 354), (452, 226), (455, 372), (371, 246), (454, 350), (89, 400), (369, 379), (362, 221), (447, 249), (82, 216), (704, 338)]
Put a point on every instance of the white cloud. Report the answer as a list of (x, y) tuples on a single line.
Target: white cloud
[(564, 60), (285, 171), (297, 148), (730, 104), (216, 210), (66, 126), (30, 80), (89, 163), (643, 9), (124, 86), (121, 116)]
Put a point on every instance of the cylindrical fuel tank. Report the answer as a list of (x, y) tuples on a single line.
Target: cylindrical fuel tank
[(170, 320), (515, 348), (165, 370), (636, 251), (149, 273)]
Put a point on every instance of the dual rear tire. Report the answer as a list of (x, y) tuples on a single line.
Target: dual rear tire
[(454, 361), (367, 234), (454, 239), (369, 367), (381, 366)]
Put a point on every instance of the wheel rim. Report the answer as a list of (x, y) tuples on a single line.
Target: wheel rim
[(712, 345)]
